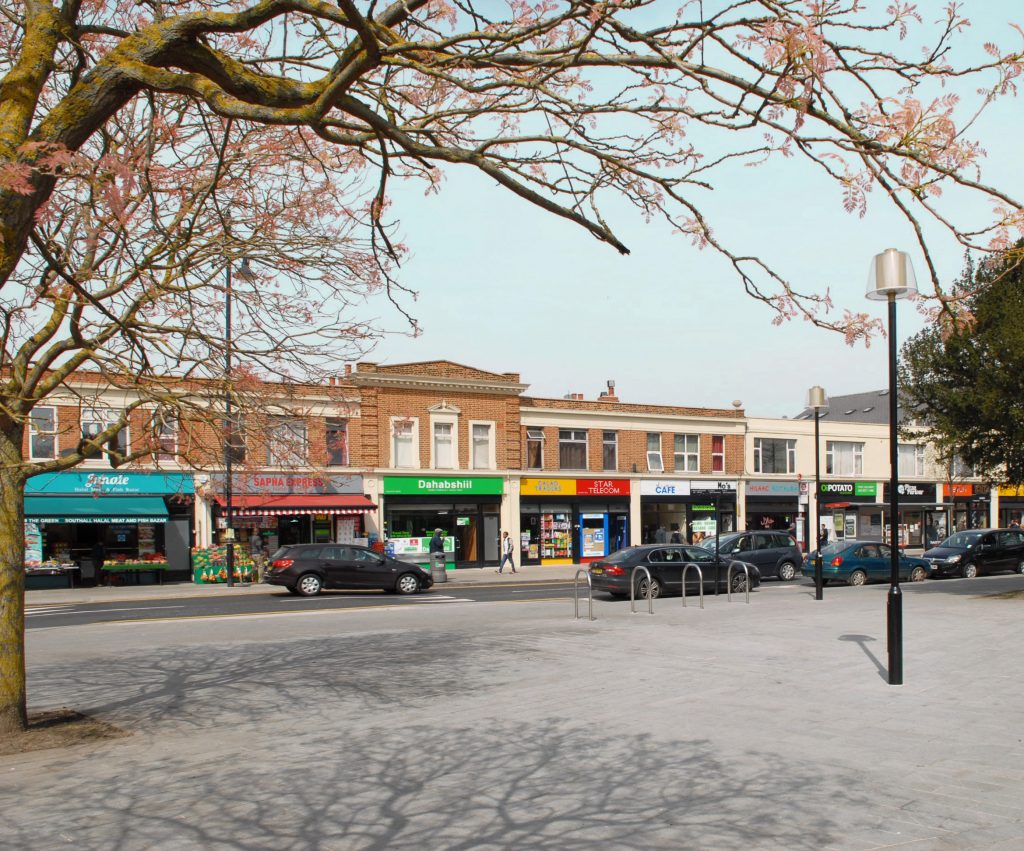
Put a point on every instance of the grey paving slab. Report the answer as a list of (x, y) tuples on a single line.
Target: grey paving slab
[(513, 726)]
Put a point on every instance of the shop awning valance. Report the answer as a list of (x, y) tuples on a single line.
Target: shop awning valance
[(251, 505), (95, 509)]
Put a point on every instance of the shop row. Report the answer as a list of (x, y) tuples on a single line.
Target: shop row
[(91, 525)]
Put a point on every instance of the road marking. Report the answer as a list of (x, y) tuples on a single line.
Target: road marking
[(104, 611), (39, 610), (441, 600), (537, 591)]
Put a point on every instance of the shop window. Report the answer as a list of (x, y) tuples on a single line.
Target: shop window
[(337, 443), (236, 440), (717, 454), (535, 449), (687, 453), (572, 449), (42, 427), (482, 446), (97, 420), (287, 444), (444, 456), (844, 458), (655, 463), (403, 443), (165, 435), (772, 455), (911, 459), (610, 450)]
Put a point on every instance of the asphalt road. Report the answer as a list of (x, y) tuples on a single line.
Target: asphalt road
[(73, 614)]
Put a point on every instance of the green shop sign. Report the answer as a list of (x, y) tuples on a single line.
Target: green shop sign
[(443, 485), (849, 489)]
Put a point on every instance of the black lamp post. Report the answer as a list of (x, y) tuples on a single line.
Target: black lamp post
[(246, 274), (816, 401), (892, 277)]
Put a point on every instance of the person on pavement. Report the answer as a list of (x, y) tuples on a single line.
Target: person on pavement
[(506, 553), (437, 542)]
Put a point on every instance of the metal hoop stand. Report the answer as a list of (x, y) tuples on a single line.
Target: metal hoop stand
[(576, 595), (700, 582), (632, 590), (728, 581)]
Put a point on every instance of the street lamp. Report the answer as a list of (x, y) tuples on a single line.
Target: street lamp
[(244, 273), (892, 277), (816, 401)]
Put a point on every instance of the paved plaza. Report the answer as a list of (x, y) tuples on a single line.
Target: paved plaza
[(510, 725)]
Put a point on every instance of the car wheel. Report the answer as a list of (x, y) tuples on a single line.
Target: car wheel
[(969, 570), (739, 581), (787, 570), (407, 584), (309, 585), (858, 577), (918, 574), (1020, 566), (641, 589)]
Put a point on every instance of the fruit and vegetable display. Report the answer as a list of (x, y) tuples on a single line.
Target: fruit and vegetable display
[(210, 565)]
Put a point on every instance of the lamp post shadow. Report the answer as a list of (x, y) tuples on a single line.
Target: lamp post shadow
[(862, 641)]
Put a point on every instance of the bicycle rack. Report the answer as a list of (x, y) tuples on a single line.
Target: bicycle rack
[(700, 582), (728, 581), (632, 590), (576, 596)]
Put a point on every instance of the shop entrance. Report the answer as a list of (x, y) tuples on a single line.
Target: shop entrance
[(473, 527)]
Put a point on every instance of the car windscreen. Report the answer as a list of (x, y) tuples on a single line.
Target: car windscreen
[(620, 556), (962, 539)]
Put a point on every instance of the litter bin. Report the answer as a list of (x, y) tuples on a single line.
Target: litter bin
[(437, 569)]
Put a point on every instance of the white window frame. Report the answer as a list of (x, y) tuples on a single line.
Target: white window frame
[(790, 453), (714, 455), (574, 442), (614, 443), (492, 430), (655, 460), (904, 459), (856, 453), (104, 417), (415, 423), (691, 460), (534, 435), (34, 432), (452, 422), (295, 450)]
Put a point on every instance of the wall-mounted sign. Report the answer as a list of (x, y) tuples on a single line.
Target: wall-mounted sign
[(711, 487), (665, 487), (602, 487), (574, 487), (1011, 490), (110, 482), (443, 485), (288, 483), (773, 488), (910, 492), (849, 491), (957, 489)]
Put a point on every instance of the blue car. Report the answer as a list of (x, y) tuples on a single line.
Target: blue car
[(857, 562)]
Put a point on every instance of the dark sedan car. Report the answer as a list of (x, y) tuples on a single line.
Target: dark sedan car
[(977, 551), (306, 569), (775, 553), (665, 563), (857, 562)]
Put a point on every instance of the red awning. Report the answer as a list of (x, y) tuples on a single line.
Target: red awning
[(253, 505)]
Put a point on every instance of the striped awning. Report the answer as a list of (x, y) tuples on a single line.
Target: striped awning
[(256, 506)]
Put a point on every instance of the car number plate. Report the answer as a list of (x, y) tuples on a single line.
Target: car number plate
[(597, 570)]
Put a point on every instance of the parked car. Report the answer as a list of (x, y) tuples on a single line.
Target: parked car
[(665, 563), (775, 553), (856, 562), (976, 551), (306, 569)]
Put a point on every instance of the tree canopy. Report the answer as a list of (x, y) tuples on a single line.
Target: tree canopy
[(963, 376)]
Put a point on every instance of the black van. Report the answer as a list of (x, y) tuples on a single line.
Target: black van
[(976, 551)]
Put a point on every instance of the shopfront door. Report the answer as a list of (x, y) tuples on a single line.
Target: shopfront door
[(491, 538)]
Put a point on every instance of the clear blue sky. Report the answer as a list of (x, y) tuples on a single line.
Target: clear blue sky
[(505, 287)]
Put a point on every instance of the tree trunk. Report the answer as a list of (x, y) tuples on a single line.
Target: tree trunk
[(13, 718)]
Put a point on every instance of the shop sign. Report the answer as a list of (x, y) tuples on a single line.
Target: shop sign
[(1011, 490), (602, 487), (958, 489), (910, 492), (110, 482), (547, 487), (416, 546), (664, 487), (850, 491), (702, 508), (288, 483), (704, 488), (442, 485), (773, 488)]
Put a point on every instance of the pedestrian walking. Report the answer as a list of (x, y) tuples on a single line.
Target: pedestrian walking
[(822, 537), (506, 553), (437, 542), (661, 536)]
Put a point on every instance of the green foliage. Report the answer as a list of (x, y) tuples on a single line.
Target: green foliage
[(964, 375)]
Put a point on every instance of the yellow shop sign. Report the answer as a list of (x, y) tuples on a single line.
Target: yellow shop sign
[(547, 487), (1011, 490)]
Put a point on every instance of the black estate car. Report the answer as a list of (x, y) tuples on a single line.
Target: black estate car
[(775, 553), (665, 563), (306, 569), (976, 551)]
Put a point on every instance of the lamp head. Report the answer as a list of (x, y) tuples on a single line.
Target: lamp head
[(816, 398), (891, 276), (244, 271)]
